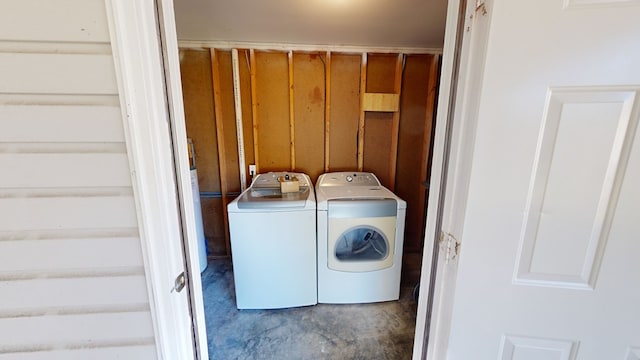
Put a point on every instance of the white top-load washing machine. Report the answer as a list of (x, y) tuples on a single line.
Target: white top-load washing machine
[(273, 243), (360, 238)]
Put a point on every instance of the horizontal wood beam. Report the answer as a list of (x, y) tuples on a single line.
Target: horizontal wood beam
[(381, 102), (228, 45)]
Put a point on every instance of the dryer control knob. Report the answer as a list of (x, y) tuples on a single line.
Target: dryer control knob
[(349, 178)]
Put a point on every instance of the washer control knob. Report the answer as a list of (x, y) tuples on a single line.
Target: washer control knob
[(349, 178)]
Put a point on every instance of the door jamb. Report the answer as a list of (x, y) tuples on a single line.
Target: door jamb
[(432, 232), (171, 56), (135, 42), (450, 179)]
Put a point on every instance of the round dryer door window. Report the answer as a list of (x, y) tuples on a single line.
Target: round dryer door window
[(362, 244)]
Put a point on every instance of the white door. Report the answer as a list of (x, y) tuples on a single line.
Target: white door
[(549, 265)]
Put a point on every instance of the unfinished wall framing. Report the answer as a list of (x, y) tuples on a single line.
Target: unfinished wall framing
[(313, 112)]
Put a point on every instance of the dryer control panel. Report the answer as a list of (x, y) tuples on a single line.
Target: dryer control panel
[(349, 179)]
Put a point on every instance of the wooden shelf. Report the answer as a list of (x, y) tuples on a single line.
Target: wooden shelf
[(381, 102)]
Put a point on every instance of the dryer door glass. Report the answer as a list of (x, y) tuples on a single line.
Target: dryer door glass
[(363, 243)]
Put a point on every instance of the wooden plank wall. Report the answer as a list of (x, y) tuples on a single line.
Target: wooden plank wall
[(344, 112), (303, 111), (197, 90), (417, 122), (308, 110), (271, 117), (378, 126)]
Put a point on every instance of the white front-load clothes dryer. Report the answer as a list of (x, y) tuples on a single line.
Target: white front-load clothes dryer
[(360, 239), (273, 243)]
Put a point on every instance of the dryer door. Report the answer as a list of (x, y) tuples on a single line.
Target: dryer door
[(361, 234)]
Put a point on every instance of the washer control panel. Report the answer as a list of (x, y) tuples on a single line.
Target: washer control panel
[(349, 179)]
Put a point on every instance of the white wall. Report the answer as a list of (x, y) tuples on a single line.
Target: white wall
[(72, 280)]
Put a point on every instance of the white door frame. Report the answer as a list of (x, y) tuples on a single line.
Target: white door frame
[(134, 24), (169, 41), (466, 35), (144, 91)]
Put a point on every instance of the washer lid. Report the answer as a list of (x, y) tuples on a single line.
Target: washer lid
[(265, 194), (271, 179), (270, 198)]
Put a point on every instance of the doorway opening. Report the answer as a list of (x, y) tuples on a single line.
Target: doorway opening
[(225, 56), (326, 87)]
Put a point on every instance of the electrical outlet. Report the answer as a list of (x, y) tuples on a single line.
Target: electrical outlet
[(252, 170)]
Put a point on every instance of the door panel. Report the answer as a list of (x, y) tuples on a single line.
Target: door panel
[(585, 132), (548, 265)]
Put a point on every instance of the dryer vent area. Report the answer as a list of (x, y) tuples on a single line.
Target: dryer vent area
[(255, 111)]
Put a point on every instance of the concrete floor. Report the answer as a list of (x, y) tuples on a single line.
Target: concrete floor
[(363, 331)]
